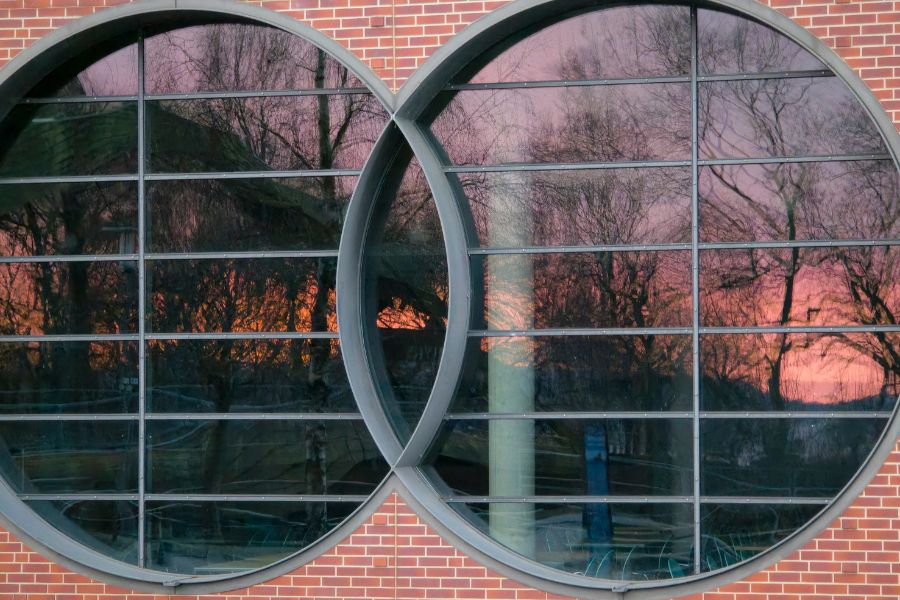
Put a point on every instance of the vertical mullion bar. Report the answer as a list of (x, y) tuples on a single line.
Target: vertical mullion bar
[(695, 282), (142, 294)]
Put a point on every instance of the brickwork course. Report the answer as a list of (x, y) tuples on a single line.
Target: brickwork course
[(395, 554)]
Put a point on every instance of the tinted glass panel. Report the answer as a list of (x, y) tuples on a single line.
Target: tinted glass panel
[(101, 71), (836, 286), (800, 201), (579, 373), (580, 208), (607, 541), (783, 117), (242, 295), (799, 372), (571, 457), (69, 297), (68, 377), (629, 41), (110, 528), (601, 289), (566, 125), (306, 213), (782, 457), (263, 134), (247, 376), (58, 457), (217, 537), (69, 139)]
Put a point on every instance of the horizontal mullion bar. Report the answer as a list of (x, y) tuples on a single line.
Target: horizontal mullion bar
[(570, 499), (579, 332), (248, 335), (258, 94), (796, 244), (253, 416), (791, 159), (53, 418), (766, 75), (212, 175), (239, 255), (802, 329), (66, 179), (488, 416), (80, 497), (77, 99), (556, 83), (811, 414), (255, 498), (50, 258), (583, 166), (576, 249), (75, 337), (762, 500)]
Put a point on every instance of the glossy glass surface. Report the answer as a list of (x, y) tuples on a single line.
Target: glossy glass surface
[(580, 208), (68, 297), (783, 457), (106, 70), (242, 295), (68, 377), (108, 527), (232, 215), (233, 376), (58, 457), (263, 134), (98, 138)]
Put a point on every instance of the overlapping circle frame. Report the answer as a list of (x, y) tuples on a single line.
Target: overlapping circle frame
[(402, 139)]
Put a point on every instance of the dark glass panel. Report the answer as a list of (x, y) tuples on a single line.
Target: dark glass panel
[(100, 71), (41, 140), (581, 373), (222, 295), (226, 57), (734, 44), (571, 457), (230, 376), (732, 533), (800, 201), (68, 218), (218, 537), (263, 134), (784, 117), (800, 286), (68, 297), (580, 208), (800, 372), (68, 377), (626, 41), (600, 289), (59, 457), (608, 541), (566, 125), (262, 457), (406, 271), (231, 215), (783, 457), (108, 527)]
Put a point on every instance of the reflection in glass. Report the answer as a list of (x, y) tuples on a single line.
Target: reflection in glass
[(221, 537), (104, 70), (108, 527), (58, 457), (783, 457), (584, 373), (606, 541), (229, 376), (68, 377), (304, 213), (800, 372), (68, 297), (236, 295)]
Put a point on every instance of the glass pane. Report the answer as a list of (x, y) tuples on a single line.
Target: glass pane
[(222, 295), (207, 538), (628, 41), (59, 457), (800, 286), (800, 201), (800, 372), (232, 215), (68, 377), (238, 57), (784, 117), (580, 208), (566, 457), (600, 289), (101, 71), (262, 457), (579, 373), (733, 533), (565, 125), (42, 140), (734, 44), (263, 134), (230, 376), (783, 457), (108, 527), (68, 218), (607, 541), (68, 297)]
